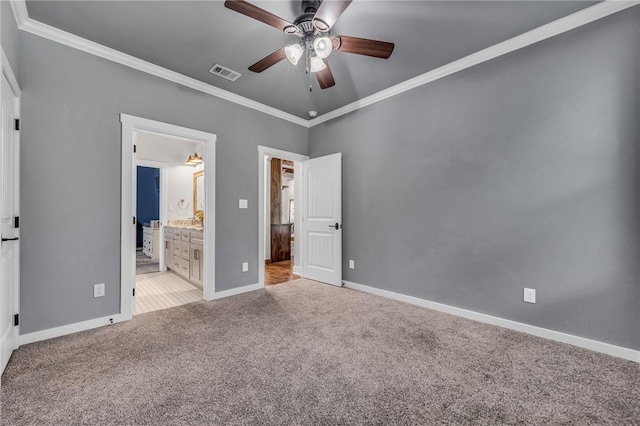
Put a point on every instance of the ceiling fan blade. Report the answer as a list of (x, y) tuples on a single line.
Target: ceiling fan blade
[(259, 14), (268, 61), (328, 13), (325, 77), (363, 46)]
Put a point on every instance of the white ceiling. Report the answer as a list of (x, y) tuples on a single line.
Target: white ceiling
[(188, 37)]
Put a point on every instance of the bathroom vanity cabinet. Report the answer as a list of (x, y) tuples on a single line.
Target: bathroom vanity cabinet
[(150, 242), (184, 254)]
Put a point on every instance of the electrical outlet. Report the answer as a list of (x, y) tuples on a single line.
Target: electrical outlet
[(98, 290), (530, 295), (352, 264), (245, 266)]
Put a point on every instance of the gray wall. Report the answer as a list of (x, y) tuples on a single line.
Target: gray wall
[(9, 36), (520, 172), (70, 184)]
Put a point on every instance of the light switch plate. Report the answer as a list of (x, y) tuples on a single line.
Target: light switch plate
[(243, 204), (352, 264), (530, 295), (245, 266)]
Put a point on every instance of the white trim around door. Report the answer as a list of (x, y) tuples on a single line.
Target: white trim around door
[(265, 152), (131, 125)]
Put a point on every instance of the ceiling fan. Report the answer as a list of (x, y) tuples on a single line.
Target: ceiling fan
[(313, 28)]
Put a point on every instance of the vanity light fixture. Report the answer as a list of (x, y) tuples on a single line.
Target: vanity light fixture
[(193, 160)]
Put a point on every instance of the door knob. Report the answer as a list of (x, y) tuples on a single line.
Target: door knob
[(336, 226)]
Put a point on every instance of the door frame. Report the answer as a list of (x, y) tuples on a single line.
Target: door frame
[(131, 125), (265, 152), (7, 73), (163, 202)]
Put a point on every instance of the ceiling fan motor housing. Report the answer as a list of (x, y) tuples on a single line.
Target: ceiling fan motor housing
[(304, 22), (310, 6)]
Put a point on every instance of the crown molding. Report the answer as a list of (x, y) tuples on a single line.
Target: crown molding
[(20, 13), (559, 26), (46, 31)]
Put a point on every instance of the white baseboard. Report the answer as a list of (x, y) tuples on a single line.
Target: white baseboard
[(63, 330), (50, 333), (234, 291), (606, 348), (296, 270)]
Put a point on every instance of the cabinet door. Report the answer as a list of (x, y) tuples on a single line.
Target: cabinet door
[(168, 252), (195, 260)]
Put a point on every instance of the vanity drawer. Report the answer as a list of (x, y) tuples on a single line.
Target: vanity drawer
[(185, 236), (184, 250), (181, 266), (177, 247)]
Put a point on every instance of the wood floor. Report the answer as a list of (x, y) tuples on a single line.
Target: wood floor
[(279, 272), (162, 290)]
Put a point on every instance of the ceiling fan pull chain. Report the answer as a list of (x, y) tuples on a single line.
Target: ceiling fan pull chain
[(307, 52)]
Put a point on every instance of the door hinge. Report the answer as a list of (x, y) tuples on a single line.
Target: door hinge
[(134, 220), (16, 221), (134, 148), (16, 320), (134, 292), (16, 124)]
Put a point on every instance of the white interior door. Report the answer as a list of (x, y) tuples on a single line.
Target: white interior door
[(322, 219), (9, 207)]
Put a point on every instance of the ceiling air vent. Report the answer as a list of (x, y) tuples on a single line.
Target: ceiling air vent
[(225, 72)]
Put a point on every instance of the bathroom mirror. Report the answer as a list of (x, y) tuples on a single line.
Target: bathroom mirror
[(198, 191)]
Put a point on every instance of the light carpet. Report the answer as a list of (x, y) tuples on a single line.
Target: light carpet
[(305, 353)]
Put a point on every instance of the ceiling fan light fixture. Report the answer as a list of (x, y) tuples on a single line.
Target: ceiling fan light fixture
[(317, 64), (323, 47), (293, 53)]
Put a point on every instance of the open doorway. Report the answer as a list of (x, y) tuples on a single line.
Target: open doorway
[(170, 221), (280, 174), (148, 223), (280, 236), (185, 244)]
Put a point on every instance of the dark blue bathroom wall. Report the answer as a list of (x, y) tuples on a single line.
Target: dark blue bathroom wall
[(148, 199)]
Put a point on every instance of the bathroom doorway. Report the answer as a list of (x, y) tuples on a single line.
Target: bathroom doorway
[(168, 250), (172, 169)]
